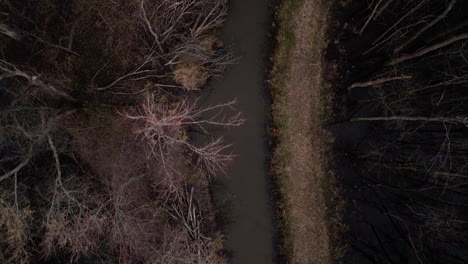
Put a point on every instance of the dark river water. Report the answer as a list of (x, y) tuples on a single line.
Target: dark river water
[(250, 232)]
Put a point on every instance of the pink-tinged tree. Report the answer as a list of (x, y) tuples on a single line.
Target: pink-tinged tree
[(162, 127)]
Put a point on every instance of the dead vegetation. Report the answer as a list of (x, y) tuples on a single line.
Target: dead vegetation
[(96, 162)]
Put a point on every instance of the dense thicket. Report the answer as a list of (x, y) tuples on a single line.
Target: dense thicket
[(405, 74), (95, 161)]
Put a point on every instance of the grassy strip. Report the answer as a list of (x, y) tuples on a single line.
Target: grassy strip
[(281, 156)]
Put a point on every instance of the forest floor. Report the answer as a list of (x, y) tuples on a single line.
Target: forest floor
[(301, 104)]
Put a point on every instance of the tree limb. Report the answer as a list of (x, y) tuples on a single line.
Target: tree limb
[(371, 16), (379, 81)]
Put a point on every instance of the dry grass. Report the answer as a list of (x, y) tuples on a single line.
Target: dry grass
[(299, 111), (191, 75), (14, 233)]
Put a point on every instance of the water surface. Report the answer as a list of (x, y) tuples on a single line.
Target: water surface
[(250, 233)]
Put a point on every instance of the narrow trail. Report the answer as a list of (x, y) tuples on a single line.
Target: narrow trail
[(300, 106), (307, 205)]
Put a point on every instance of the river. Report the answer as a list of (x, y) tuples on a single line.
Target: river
[(250, 232)]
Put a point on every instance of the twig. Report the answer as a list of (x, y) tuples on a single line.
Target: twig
[(150, 27), (19, 167), (387, 4), (400, 20)]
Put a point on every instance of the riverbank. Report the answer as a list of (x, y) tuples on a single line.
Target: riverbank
[(302, 103)]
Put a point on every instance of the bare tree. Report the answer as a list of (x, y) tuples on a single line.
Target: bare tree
[(162, 128), (76, 218)]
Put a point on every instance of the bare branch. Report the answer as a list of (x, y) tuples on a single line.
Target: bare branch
[(19, 167), (371, 16), (421, 4), (150, 27), (379, 81), (11, 70), (6, 30), (453, 120), (428, 26), (428, 49), (382, 9)]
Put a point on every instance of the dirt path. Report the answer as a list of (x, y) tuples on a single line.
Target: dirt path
[(307, 209)]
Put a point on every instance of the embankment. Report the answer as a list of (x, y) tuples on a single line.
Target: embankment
[(302, 102)]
